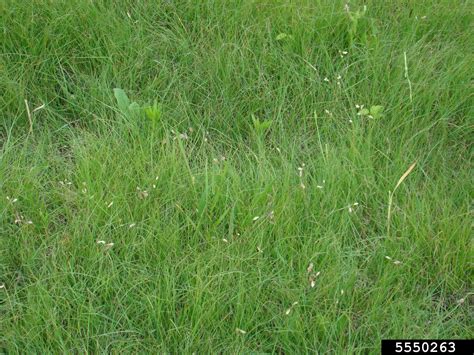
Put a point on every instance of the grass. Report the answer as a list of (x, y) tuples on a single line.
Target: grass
[(254, 178)]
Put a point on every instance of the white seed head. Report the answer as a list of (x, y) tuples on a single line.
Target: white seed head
[(43, 105), (310, 268), (288, 311), (143, 194)]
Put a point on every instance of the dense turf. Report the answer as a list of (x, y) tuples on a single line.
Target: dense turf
[(253, 209)]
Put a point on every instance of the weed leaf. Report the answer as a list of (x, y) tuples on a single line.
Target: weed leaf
[(122, 100)]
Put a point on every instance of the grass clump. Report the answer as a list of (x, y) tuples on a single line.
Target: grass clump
[(251, 186)]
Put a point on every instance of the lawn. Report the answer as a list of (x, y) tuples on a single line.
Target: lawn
[(234, 176)]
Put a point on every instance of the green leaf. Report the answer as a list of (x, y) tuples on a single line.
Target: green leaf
[(265, 125), (122, 100), (281, 36), (153, 113), (261, 126), (134, 108), (364, 112), (376, 111)]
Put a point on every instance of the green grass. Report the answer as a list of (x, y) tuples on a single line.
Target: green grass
[(243, 105)]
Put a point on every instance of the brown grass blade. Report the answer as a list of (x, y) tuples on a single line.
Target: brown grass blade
[(404, 176)]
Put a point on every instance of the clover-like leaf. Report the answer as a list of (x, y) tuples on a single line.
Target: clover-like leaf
[(364, 112), (376, 111)]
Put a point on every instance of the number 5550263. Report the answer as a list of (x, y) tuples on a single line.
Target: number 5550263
[(412, 347)]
